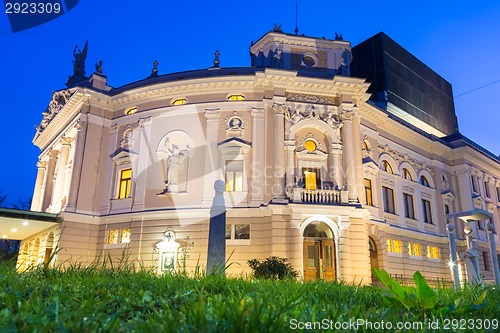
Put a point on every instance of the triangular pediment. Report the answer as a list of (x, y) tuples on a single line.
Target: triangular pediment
[(447, 196), (234, 144), (123, 156)]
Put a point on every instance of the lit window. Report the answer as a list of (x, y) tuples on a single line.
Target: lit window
[(125, 235), (415, 249), (311, 178), (117, 236), (124, 183), (433, 252), (113, 236), (131, 111), (424, 181), (179, 101), (408, 201), (394, 246), (386, 167), (234, 176), (310, 145), (238, 231), (426, 205), (368, 192), (407, 174), (388, 196), (236, 97)]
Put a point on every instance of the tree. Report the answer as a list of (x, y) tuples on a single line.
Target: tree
[(9, 248)]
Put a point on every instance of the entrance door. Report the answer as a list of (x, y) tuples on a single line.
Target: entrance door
[(373, 256), (319, 259)]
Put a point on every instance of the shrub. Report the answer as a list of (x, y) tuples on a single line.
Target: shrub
[(272, 268)]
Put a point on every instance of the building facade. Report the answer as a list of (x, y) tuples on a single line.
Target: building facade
[(315, 171)]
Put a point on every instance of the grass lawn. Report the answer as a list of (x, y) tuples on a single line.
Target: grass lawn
[(83, 299)]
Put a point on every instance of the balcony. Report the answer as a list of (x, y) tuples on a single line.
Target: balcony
[(320, 197)]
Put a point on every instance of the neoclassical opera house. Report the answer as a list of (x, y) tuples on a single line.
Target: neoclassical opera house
[(337, 158)]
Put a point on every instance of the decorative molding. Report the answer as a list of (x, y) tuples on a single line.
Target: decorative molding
[(212, 113), (327, 100), (59, 100), (41, 164), (234, 125), (400, 158), (257, 112)]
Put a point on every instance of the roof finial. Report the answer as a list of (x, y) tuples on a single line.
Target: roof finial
[(154, 71), (216, 60), (297, 17)]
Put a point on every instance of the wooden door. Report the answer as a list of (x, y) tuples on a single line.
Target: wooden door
[(311, 260), (328, 259)]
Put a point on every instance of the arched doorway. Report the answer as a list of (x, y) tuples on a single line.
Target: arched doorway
[(319, 252), (373, 255)]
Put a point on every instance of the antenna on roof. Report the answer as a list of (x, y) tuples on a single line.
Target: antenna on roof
[(296, 17)]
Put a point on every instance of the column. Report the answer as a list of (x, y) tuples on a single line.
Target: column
[(61, 175), (257, 185), (278, 188), (140, 169), (212, 170), (358, 157), (81, 137), (336, 164), (49, 180), (349, 154), (36, 203), (290, 165)]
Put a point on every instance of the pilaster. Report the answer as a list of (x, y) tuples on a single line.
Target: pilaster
[(36, 203)]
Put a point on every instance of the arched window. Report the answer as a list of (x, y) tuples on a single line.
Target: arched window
[(424, 181), (407, 174), (387, 167)]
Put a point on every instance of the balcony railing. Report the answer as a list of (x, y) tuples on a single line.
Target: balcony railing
[(322, 197)]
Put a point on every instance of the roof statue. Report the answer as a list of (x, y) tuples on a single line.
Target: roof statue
[(154, 71), (98, 67), (78, 65), (216, 60)]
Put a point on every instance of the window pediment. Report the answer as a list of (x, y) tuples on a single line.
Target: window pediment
[(447, 196), (123, 156), (234, 146)]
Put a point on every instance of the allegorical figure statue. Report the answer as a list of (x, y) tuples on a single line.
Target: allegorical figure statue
[(175, 165), (79, 62), (472, 264)]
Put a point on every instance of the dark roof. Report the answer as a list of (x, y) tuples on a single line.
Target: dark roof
[(457, 139), (28, 214)]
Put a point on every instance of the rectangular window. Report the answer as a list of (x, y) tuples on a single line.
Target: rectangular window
[(238, 231), (388, 197), (312, 180), (480, 225), (486, 259), (113, 236), (124, 183), (474, 185), (433, 252), (125, 235), (234, 176), (487, 189), (498, 194), (415, 249), (368, 192), (408, 201), (117, 236), (426, 205), (394, 246), (446, 209)]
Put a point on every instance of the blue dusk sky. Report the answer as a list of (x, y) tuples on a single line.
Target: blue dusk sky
[(460, 40)]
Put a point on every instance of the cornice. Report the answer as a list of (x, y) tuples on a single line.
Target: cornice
[(62, 118), (477, 159)]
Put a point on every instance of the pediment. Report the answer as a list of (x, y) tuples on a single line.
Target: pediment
[(448, 196), (477, 200), (235, 145), (123, 156)]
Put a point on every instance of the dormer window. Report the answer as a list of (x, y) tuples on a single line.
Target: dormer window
[(130, 110), (236, 97), (308, 61), (179, 101)]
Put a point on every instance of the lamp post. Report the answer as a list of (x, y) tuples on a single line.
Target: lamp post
[(453, 252), (493, 249)]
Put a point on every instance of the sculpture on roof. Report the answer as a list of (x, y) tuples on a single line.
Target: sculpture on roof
[(78, 65)]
